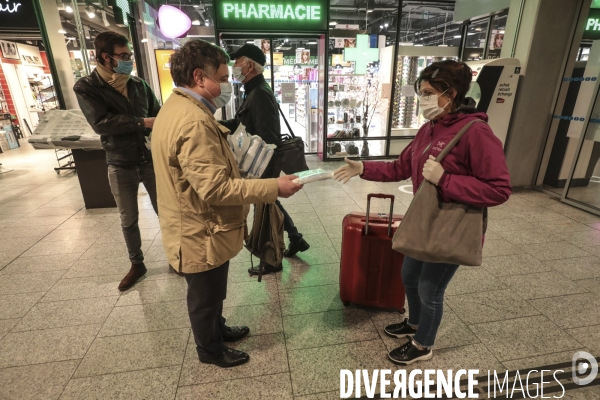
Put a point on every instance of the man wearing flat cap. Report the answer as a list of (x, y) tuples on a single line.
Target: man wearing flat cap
[(259, 113)]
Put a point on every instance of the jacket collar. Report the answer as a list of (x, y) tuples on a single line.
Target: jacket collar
[(258, 80), (224, 131), (96, 80)]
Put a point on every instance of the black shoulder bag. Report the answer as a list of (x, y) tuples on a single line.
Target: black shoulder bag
[(291, 151)]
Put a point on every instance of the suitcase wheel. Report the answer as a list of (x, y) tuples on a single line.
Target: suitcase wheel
[(346, 303)]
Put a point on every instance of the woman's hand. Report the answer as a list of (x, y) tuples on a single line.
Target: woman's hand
[(345, 172), (432, 170)]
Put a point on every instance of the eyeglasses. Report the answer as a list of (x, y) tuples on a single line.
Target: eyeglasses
[(124, 56), (426, 95)]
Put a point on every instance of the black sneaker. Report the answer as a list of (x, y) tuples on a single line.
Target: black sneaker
[(408, 354), (400, 330), (294, 248)]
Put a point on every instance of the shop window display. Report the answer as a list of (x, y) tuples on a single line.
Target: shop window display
[(497, 35)]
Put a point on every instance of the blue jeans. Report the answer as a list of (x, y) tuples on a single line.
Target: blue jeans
[(124, 184), (425, 284)]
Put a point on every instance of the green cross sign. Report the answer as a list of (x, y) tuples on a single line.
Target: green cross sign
[(362, 54)]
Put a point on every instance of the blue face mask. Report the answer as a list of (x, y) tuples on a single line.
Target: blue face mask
[(124, 67)]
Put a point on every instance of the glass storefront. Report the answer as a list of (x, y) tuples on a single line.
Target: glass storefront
[(570, 166)]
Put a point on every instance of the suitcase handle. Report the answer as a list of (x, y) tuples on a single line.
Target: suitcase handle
[(380, 196)]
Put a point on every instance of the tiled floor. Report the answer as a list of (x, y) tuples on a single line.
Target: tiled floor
[(66, 332)]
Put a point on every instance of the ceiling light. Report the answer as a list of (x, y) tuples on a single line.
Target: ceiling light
[(144, 40), (442, 45), (90, 11), (196, 22), (68, 8), (386, 24), (173, 22), (207, 23), (457, 36), (405, 44), (311, 43), (333, 23), (369, 11), (380, 26), (502, 32), (250, 41), (418, 45), (62, 31)]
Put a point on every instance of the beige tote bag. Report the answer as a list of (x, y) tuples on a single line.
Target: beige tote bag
[(438, 232)]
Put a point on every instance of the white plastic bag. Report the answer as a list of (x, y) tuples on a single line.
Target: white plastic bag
[(256, 145), (312, 175), (262, 161), (239, 141)]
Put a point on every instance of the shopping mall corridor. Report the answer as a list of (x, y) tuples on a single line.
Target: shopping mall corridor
[(66, 332)]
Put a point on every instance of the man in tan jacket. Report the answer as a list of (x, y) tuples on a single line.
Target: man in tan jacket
[(202, 200)]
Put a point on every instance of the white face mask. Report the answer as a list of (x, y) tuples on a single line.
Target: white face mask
[(237, 74), (225, 96), (429, 106)]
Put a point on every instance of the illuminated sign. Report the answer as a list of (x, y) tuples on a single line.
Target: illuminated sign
[(592, 25), (163, 63), (272, 15), (173, 22), (17, 15)]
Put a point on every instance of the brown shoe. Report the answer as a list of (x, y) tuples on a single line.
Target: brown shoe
[(135, 273)]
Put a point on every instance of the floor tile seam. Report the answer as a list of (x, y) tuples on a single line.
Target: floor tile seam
[(337, 344), (41, 363), (585, 291), (252, 377), (121, 372), (280, 289), (307, 287), (541, 355), (24, 251), (31, 272), (513, 319), (182, 364), (546, 354), (45, 293), (96, 335)]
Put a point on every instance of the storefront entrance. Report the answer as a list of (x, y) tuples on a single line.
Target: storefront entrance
[(570, 166)]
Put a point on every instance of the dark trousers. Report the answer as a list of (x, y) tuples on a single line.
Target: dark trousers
[(206, 292), (124, 184)]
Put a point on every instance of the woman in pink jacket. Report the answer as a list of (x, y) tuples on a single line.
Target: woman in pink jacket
[(474, 173)]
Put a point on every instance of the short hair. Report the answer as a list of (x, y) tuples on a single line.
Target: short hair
[(257, 67), (106, 42), (445, 75), (195, 54)]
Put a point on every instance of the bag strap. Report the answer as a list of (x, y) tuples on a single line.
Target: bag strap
[(455, 139), (286, 121)]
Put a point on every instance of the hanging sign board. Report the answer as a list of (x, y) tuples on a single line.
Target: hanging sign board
[(288, 93), (272, 15)]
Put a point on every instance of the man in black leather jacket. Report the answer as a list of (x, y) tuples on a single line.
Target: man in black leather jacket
[(121, 109), (259, 113)]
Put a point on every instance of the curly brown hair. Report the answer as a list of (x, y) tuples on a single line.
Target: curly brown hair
[(196, 54), (451, 76)]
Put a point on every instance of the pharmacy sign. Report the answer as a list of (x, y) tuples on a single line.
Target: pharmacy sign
[(272, 15)]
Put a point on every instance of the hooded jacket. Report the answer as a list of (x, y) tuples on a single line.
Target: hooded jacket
[(475, 169)]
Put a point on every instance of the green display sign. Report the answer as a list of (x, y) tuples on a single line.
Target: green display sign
[(592, 25), (272, 15)]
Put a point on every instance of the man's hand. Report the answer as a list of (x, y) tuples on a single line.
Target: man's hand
[(433, 171), (149, 122), (286, 187)]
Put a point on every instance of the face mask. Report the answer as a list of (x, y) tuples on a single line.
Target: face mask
[(225, 95), (237, 74), (123, 67), (429, 107)]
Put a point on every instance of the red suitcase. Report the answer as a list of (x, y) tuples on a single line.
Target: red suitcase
[(370, 271)]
